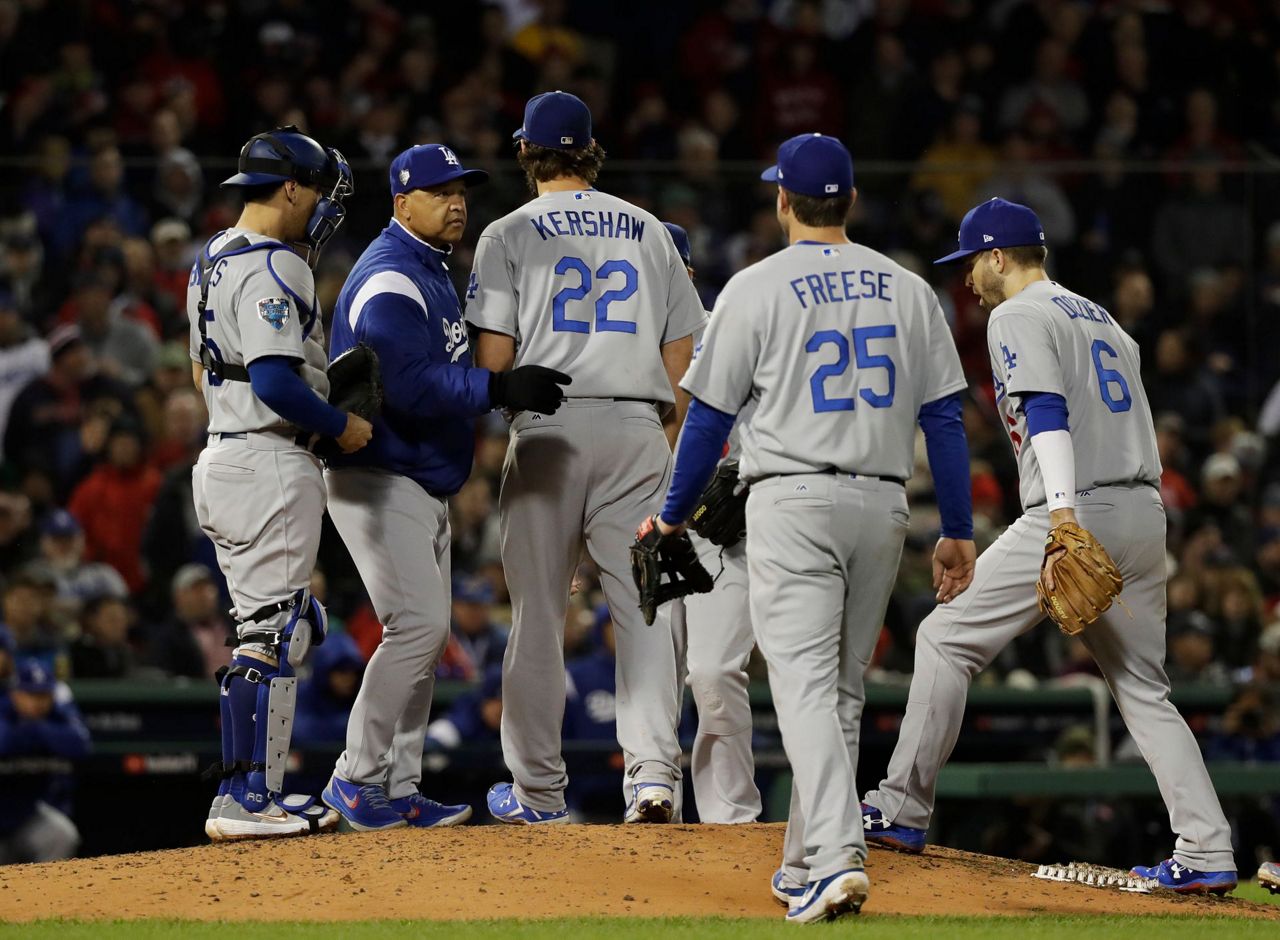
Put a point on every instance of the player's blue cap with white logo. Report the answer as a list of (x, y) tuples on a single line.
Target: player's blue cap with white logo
[(681, 238), (31, 675), (430, 165), (996, 223), (812, 165), (556, 119)]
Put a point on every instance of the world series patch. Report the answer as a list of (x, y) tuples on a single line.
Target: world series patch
[(275, 311)]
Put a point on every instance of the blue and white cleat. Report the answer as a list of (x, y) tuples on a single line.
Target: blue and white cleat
[(879, 831), (650, 803), (365, 808), (834, 896), (784, 892), (504, 807), (1171, 876), (423, 813)]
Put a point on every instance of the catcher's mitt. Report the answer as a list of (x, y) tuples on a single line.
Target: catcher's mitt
[(721, 514), (1085, 579), (653, 555), (355, 386)]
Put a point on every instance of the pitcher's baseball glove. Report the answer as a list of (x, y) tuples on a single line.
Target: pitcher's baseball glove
[(1085, 579), (721, 514), (654, 555)]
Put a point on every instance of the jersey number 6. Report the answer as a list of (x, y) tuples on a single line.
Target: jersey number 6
[(864, 359), (1109, 377), (561, 323)]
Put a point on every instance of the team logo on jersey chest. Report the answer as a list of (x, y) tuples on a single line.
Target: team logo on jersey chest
[(274, 311)]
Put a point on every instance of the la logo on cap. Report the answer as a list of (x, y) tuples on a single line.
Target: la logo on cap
[(449, 157)]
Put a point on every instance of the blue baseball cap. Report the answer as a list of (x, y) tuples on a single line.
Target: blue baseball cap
[(996, 223), (472, 590), (31, 675), (556, 119), (430, 165), (812, 165), (681, 238), (59, 522)]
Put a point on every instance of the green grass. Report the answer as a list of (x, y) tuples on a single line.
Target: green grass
[(883, 927)]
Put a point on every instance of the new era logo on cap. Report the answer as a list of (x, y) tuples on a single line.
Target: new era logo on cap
[(988, 238), (404, 176)]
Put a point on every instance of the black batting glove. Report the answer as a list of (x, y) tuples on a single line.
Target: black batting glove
[(528, 388)]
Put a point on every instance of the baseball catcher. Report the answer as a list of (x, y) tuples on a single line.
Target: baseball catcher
[(653, 555), (1078, 579)]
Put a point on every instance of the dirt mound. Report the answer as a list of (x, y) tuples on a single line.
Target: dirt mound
[(517, 872)]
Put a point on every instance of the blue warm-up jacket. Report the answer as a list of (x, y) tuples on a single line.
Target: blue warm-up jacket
[(399, 300)]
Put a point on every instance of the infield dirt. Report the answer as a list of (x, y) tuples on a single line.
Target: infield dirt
[(517, 872)]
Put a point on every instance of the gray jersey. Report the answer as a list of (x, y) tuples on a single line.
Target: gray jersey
[(733, 450), (257, 308), (588, 284), (1048, 339), (838, 347)]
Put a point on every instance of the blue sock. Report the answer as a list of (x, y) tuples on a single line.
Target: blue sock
[(243, 705)]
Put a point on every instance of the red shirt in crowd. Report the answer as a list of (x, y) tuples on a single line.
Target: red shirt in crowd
[(112, 505)]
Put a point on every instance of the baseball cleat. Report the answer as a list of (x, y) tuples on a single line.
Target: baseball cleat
[(363, 808), (319, 817), (784, 892), (650, 803), (1172, 876), (271, 822), (504, 807), (834, 896), (879, 831), (423, 813), (1269, 877), (211, 821)]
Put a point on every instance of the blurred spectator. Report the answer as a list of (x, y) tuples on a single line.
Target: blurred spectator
[(1191, 654), (103, 197), (7, 649), (1175, 489), (192, 642), (113, 501), (326, 696), (960, 145), (473, 718), (590, 714), (47, 428), (182, 425), (1050, 87), (124, 348), (24, 356), (1178, 385), (483, 641), (1250, 729), (17, 540), (35, 723), (102, 649), (1199, 229), (1017, 181), (1222, 483), (26, 616), (62, 548)]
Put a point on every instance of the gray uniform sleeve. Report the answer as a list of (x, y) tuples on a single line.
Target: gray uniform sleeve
[(193, 302), (491, 294), (685, 315), (944, 375), (723, 369), (270, 318), (1024, 355)]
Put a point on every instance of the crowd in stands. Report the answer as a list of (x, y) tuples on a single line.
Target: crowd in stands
[(1133, 129)]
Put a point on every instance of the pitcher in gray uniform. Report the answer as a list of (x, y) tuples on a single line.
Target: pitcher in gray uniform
[(588, 284), (259, 359), (713, 646), (841, 352), (1068, 389)]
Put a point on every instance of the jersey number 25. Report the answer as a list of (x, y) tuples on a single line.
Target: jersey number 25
[(863, 358)]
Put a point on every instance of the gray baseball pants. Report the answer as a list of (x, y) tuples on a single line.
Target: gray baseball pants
[(822, 557), (958, 640), (398, 536), (588, 474)]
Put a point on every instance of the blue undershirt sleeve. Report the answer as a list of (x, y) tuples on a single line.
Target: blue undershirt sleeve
[(283, 391), (948, 451), (699, 449), (1045, 411)]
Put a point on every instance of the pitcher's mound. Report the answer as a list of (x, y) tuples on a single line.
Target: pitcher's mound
[(519, 872)]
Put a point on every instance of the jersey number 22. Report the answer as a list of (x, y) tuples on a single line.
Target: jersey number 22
[(561, 322)]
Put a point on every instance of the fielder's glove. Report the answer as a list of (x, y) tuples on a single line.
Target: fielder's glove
[(355, 386), (653, 555), (1085, 579), (721, 514)]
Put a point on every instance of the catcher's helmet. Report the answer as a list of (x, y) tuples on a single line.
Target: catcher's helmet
[(288, 154)]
